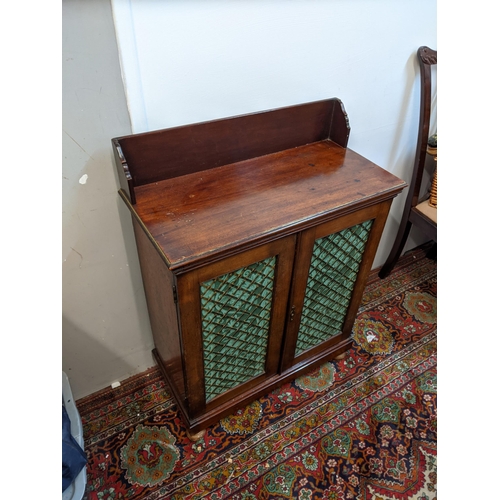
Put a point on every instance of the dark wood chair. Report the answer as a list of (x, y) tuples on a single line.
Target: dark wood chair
[(418, 212)]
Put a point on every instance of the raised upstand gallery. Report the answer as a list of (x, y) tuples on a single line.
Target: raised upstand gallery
[(255, 237)]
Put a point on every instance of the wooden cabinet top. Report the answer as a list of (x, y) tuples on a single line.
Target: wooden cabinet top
[(209, 190)]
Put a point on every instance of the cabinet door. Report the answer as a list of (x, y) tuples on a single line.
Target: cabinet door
[(332, 263), (232, 316)]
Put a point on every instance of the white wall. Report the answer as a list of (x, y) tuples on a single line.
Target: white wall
[(195, 60), (105, 328)]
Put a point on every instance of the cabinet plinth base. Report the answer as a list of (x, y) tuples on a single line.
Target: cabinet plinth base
[(196, 427)]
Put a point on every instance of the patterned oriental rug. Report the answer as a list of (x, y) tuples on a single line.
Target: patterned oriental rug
[(359, 428)]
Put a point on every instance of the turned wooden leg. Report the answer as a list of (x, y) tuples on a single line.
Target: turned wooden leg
[(196, 436)]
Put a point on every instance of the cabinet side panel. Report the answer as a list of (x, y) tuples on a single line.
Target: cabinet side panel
[(158, 286)]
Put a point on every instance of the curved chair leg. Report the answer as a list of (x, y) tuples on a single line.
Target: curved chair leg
[(397, 248)]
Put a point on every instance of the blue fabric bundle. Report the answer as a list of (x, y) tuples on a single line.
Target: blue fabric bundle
[(73, 457)]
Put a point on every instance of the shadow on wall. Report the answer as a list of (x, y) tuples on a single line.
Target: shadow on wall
[(106, 333), (401, 160), (409, 111), (85, 352), (402, 166)]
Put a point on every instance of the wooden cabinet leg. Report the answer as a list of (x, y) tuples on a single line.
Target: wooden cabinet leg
[(196, 436), (341, 356)]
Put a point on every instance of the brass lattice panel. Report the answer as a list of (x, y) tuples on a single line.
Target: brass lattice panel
[(334, 267), (236, 312)]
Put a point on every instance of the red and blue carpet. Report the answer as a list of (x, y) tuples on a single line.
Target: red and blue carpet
[(360, 428)]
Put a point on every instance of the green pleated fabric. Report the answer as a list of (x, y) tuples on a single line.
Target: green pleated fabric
[(236, 312), (334, 267)]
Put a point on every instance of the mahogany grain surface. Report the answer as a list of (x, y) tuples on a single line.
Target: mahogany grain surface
[(195, 215), (163, 154)]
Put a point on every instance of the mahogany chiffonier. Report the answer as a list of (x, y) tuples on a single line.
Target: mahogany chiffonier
[(255, 235)]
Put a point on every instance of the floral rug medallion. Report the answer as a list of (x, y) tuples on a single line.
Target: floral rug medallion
[(149, 456), (319, 379), (372, 335), (243, 421)]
